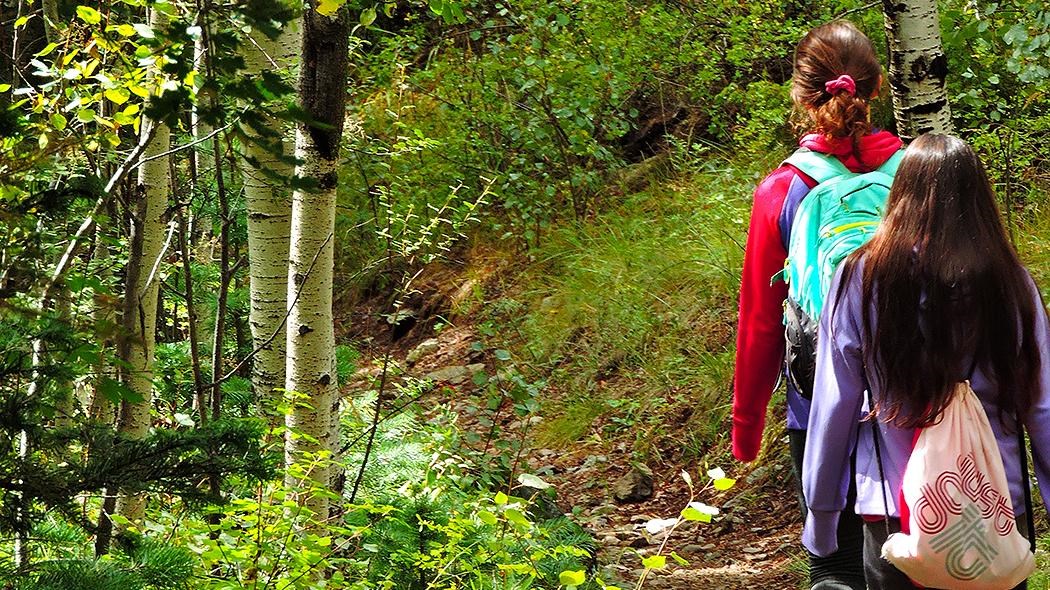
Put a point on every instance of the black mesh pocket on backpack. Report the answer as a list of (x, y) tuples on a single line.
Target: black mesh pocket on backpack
[(801, 333)]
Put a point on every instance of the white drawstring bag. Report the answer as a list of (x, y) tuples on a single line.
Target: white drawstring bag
[(956, 511)]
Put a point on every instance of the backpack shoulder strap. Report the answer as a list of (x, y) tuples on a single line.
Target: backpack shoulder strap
[(889, 167), (1022, 450), (878, 459), (820, 167)]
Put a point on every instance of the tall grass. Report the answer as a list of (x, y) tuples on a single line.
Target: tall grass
[(635, 311)]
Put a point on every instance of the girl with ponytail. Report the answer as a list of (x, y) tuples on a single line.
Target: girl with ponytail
[(836, 75)]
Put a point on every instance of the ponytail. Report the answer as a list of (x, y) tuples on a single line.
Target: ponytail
[(836, 72)]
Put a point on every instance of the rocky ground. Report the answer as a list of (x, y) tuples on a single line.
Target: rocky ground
[(752, 543)]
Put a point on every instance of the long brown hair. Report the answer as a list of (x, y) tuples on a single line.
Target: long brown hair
[(942, 284), (824, 54)]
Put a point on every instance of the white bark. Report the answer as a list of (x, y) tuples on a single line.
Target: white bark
[(918, 67), (141, 289), (310, 370), (269, 223)]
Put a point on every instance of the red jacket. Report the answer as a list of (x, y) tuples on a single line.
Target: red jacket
[(760, 330)]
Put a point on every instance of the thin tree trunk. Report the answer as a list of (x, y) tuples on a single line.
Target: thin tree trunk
[(51, 20), (99, 407), (199, 395), (225, 275), (141, 284), (310, 369), (918, 67), (269, 222)]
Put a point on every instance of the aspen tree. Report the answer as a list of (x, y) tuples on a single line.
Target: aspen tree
[(269, 220), (141, 284), (310, 368), (918, 67)]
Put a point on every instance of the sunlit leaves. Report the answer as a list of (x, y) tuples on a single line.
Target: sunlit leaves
[(532, 481), (118, 95), (329, 7), (654, 562), (719, 479), (572, 578), (368, 16), (658, 525), (89, 15)]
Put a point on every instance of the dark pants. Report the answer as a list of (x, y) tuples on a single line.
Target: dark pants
[(883, 575), (844, 569)]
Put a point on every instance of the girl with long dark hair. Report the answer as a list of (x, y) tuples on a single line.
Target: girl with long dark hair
[(937, 296)]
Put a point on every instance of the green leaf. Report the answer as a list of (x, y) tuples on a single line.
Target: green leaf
[(184, 419), (690, 513), (58, 121), (329, 7), (502, 355), (143, 30), (86, 115), (654, 562), (118, 95), (679, 559), (501, 499), (89, 15), (516, 516), (487, 517), (572, 577), (47, 49), (1016, 35), (5, 87), (368, 16), (21, 21), (116, 391), (724, 483), (532, 481)]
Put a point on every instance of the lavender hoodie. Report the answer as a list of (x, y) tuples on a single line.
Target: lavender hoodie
[(840, 402)]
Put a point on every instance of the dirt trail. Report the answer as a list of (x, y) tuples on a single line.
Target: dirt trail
[(753, 543)]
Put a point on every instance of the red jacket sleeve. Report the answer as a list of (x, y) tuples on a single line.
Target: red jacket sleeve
[(760, 330)]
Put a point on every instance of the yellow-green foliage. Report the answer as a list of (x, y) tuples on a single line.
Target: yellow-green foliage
[(636, 311)]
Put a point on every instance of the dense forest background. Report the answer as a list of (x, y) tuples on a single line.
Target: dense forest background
[(533, 215)]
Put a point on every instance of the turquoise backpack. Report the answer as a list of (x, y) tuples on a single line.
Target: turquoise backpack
[(836, 217)]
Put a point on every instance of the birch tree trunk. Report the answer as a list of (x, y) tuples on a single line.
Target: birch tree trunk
[(310, 368), (269, 222), (918, 67), (142, 281)]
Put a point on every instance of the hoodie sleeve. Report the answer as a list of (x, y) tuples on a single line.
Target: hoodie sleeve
[(838, 395), (1038, 423), (760, 329)]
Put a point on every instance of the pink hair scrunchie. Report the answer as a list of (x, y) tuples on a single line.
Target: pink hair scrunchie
[(844, 83)]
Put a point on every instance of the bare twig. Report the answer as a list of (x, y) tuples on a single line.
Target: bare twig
[(187, 146), (130, 163), (280, 327)]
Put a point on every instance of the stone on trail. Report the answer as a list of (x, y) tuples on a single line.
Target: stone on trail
[(636, 486), (422, 349), (455, 374)]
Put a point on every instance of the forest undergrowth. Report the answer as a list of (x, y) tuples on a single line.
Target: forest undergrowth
[(630, 319), (540, 213)]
